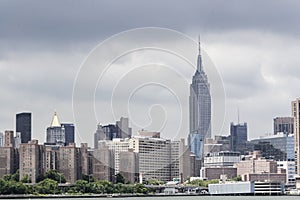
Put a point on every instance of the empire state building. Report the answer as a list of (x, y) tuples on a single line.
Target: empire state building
[(200, 110)]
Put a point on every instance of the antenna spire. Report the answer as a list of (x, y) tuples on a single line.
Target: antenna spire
[(199, 62)]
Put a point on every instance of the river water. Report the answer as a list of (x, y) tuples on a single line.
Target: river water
[(196, 198)]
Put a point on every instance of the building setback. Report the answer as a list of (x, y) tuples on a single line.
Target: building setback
[(23, 126)]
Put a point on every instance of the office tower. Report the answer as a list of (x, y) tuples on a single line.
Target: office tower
[(2, 138), (31, 160), (69, 133), (70, 162), (55, 133), (23, 125), (296, 117), (283, 125), (238, 135), (123, 130), (17, 140), (99, 135), (200, 110), (9, 139)]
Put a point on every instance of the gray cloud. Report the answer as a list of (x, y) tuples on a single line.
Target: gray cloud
[(254, 44)]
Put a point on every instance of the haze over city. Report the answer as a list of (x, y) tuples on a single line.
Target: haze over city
[(253, 45)]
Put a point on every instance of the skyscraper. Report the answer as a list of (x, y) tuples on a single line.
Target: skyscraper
[(238, 136), (69, 133), (23, 125), (200, 110), (283, 125), (296, 116), (55, 133)]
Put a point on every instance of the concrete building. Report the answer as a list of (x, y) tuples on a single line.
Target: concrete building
[(23, 126), (103, 164), (289, 169), (211, 173), (283, 125), (8, 159), (129, 166), (296, 116), (162, 159), (123, 129), (118, 145), (31, 160), (265, 177), (279, 147), (221, 159), (151, 134), (239, 137), (200, 110), (51, 161), (70, 162), (9, 139), (55, 132), (255, 164)]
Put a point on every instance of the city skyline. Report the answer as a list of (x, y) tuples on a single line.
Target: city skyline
[(255, 53)]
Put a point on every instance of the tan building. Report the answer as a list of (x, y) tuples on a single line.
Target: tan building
[(31, 160), (70, 162), (51, 158), (255, 164), (211, 173), (9, 139), (296, 117), (129, 166), (7, 161), (269, 177), (104, 164)]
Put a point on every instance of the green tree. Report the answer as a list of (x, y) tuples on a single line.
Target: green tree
[(81, 186), (26, 179), (154, 182), (47, 186)]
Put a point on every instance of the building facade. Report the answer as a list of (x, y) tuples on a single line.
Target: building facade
[(55, 132), (69, 130), (238, 136), (200, 110), (222, 159), (296, 116), (31, 160), (283, 125), (23, 126)]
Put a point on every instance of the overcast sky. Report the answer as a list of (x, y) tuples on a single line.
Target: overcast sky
[(254, 45)]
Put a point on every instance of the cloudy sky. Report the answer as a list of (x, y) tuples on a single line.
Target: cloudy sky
[(254, 45)]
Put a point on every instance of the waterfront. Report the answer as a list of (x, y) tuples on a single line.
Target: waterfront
[(188, 198)]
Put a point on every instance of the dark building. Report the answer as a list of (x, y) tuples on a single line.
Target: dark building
[(69, 133), (23, 125), (238, 135)]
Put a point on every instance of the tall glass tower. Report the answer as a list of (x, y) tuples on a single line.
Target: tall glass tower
[(200, 110)]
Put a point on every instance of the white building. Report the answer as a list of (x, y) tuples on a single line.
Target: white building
[(117, 145), (289, 167), (222, 159)]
